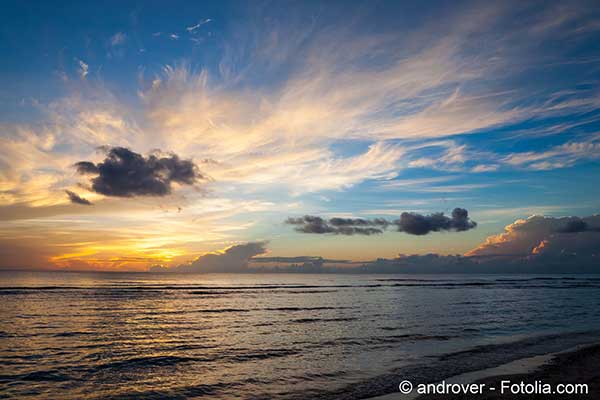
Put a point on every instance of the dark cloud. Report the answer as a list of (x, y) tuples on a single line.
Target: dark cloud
[(337, 226), (411, 223), (417, 224), (124, 173), (86, 167), (297, 259), (536, 245), (76, 199), (299, 264), (576, 225), (358, 222), (232, 259), (310, 224)]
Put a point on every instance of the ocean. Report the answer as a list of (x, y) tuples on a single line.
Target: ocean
[(275, 336)]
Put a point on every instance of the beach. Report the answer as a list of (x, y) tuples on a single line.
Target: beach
[(576, 366)]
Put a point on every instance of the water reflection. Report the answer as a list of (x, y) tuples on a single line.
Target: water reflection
[(74, 335)]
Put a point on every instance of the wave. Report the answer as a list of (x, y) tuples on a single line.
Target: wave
[(304, 308), (220, 290), (431, 371), (71, 334), (147, 362), (37, 376), (379, 340), (144, 362), (223, 310), (175, 393), (409, 338), (315, 320), (210, 390), (262, 355)]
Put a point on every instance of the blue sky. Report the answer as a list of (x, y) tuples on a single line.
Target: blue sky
[(352, 109)]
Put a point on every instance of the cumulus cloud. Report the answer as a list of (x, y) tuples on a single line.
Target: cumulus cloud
[(539, 235), (411, 223), (417, 224), (576, 225), (76, 199), (124, 173), (231, 259), (535, 245)]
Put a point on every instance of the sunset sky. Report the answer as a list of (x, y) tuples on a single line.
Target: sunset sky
[(240, 115)]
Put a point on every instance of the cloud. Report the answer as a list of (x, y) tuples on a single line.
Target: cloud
[(535, 245), (417, 224), (231, 259), (297, 259), (333, 90), (561, 156), (298, 264), (572, 247), (538, 244), (576, 225), (313, 224), (448, 155), (198, 25), (411, 223), (83, 69), (76, 199), (538, 235), (118, 39), (485, 168), (124, 173)]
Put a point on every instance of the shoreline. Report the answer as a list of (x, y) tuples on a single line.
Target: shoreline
[(576, 365)]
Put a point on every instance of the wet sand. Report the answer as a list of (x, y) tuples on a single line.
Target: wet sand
[(578, 366)]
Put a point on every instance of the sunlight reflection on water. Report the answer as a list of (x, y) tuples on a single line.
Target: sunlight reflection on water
[(75, 335)]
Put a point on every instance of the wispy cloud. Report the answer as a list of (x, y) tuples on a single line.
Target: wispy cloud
[(198, 25), (343, 104), (561, 156), (83, 69), (118, 39), (450, 156), (76, 199)]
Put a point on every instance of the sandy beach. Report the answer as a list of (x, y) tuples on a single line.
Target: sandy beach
[(576, 366)]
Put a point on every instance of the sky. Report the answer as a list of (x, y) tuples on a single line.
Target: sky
[(139, 133)]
